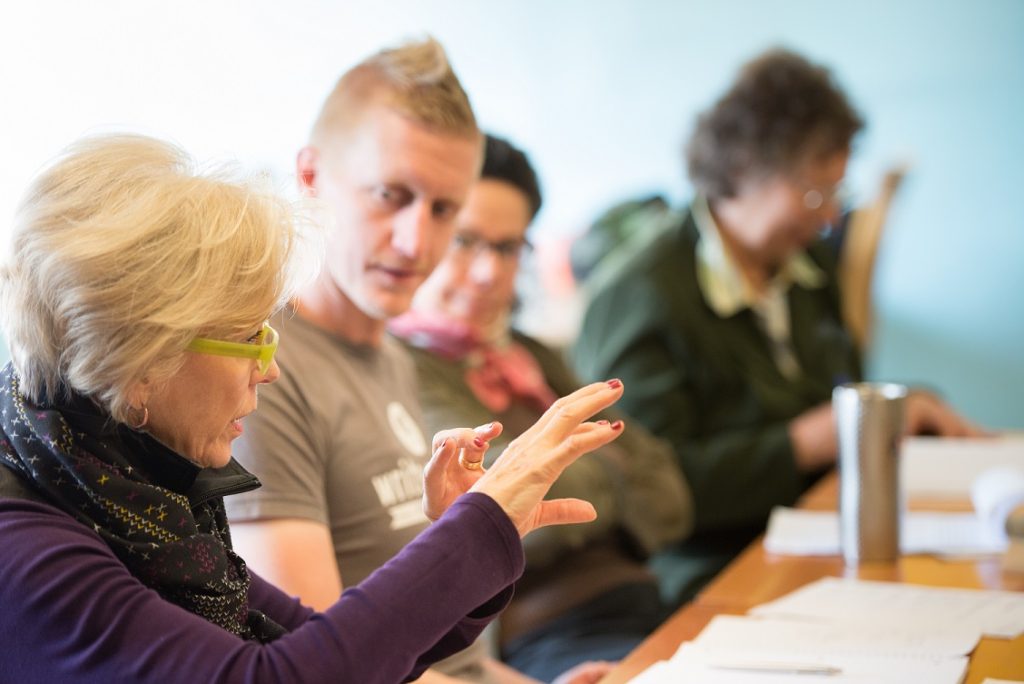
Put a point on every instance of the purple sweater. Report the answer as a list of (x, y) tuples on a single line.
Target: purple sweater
[(71, 612)]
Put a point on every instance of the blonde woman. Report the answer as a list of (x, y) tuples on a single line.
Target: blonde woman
[(134, 299)]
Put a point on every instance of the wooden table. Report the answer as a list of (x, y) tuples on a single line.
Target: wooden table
[(755, 577)]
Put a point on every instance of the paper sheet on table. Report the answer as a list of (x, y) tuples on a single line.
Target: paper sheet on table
[(798, 532), (805, 638), (946, 467), (995, 494), (993, 613), (693, 663)]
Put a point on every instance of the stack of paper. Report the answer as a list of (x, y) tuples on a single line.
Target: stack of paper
[(798, 532), (990, 472), (694, 663), (840, 631), (945, 467), (992, 613)]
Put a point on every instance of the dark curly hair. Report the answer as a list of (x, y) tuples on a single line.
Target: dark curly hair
[(781, 110), (505, 162)]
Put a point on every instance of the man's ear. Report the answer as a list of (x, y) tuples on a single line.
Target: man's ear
[(307, 167)]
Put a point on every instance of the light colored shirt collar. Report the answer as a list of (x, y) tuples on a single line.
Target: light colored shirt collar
[(720, 279)]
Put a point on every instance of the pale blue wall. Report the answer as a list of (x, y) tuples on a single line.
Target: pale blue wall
[(942, 86), (602, 93)]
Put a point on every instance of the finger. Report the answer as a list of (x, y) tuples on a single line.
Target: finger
[(489, 431), (461, 437), (569, 411), (585, 429), (471, 461), (969, 429), (582, 392), (434, 474), (564, 512), (589, 672), (473, 451), (584, 439)]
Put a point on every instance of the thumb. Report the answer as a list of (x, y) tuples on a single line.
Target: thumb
[(564, 512)]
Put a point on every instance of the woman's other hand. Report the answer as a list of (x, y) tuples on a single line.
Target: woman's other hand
[(455, 466)]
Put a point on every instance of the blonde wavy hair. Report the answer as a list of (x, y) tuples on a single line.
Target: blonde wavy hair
[(122, 253), (414, 79)]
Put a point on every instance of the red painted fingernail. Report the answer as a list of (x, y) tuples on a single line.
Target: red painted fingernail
[(615, 384), (617, 425), (479, 442)]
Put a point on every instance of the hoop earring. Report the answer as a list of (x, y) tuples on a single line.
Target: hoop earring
[(142, 423)]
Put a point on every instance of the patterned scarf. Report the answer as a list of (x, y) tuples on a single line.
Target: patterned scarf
[(497, 372), (133, 492)]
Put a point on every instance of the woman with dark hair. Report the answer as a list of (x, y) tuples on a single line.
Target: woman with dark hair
[(586, 593), (727, 324)]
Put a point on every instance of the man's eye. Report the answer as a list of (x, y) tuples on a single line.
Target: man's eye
[(390, 196), (444, 210), (464, 241), (507, 248)]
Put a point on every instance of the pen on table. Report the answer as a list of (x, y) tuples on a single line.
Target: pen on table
[(780, 668)]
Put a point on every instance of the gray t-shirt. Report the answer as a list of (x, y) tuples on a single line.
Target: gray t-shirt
[(338, 440)]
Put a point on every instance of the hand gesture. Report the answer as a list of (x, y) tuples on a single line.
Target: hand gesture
[(524, 472), (455, 466)]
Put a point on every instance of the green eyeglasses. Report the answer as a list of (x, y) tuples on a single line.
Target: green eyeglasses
[(262, 347)]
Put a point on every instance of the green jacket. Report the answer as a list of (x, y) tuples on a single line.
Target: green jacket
[(709, 385)]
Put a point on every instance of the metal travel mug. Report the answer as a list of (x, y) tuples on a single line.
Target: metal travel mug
[(869, 424)]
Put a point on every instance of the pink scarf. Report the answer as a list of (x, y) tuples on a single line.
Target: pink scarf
[(497, 373)]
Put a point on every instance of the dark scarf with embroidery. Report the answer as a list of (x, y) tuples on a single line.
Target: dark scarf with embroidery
[(161, 514)]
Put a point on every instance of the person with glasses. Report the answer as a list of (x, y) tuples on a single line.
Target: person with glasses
[(135, 296), (586, 594), (726, 323)]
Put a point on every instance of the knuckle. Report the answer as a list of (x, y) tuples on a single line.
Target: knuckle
[(567, 414), (573, 443)]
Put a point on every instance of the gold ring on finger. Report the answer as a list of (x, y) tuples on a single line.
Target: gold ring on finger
[(470, 465)]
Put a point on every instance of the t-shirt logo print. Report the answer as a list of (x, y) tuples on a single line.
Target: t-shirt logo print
[(406, 430), (400, 489)]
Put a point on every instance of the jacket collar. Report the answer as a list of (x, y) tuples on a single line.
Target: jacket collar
[(720, 281)]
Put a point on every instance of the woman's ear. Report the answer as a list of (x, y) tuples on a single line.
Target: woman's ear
[(137, 412), (139, 394)]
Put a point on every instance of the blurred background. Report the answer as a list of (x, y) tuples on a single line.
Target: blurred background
[(602, 94)]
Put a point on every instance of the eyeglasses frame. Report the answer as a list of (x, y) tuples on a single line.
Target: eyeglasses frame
[(261, 351)]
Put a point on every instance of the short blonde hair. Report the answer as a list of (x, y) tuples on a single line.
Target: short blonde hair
[(414, 79), (122, 253)]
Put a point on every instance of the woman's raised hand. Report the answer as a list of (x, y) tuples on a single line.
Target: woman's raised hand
[(523, 473)]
